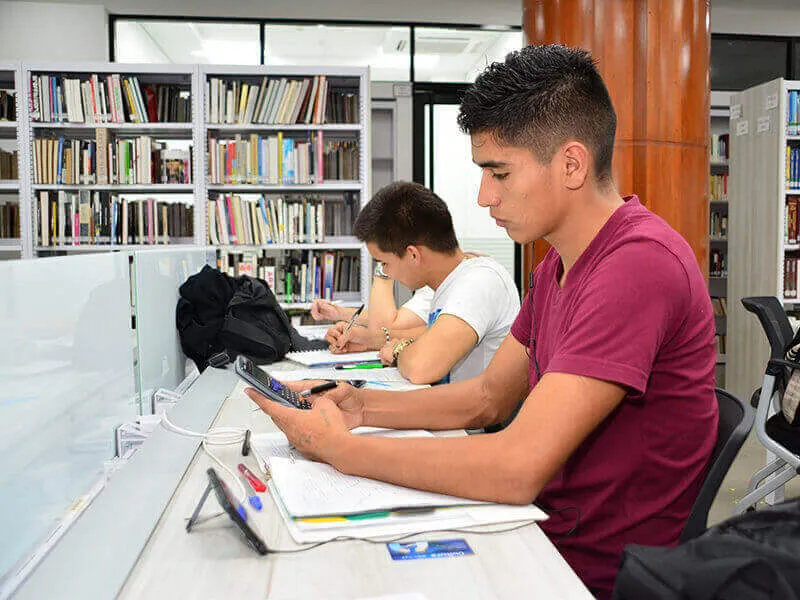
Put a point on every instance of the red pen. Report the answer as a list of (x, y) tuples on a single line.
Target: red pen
[(252, 479)]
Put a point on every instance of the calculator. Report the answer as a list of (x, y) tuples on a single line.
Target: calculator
[(269, 387)]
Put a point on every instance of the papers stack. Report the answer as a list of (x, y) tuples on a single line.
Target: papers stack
[(318, 503)]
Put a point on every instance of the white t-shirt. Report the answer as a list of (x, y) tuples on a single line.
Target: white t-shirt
[(482, 293), (420, 303)]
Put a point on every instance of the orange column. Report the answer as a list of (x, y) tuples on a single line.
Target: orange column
[(654, 57)]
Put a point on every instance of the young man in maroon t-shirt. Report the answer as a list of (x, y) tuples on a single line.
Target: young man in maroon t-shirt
[(612, 353)]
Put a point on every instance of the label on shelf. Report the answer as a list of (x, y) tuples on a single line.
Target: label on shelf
[(771, 102), (736, 111), (762, 125), (743, 127)]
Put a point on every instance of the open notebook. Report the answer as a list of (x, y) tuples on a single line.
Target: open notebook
[(303, 490), (325, 358)]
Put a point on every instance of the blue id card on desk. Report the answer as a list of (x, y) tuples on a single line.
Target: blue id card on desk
[(432, 549)]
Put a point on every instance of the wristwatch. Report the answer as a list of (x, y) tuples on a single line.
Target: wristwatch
[(379, 272), (399, 347)]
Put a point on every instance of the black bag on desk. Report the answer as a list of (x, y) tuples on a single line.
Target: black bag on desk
[(754, 556), (217, 312)]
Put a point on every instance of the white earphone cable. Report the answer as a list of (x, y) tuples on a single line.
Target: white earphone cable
[(217, 436)]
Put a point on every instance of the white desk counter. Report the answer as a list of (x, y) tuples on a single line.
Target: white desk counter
[(213, 561), (132, 543)]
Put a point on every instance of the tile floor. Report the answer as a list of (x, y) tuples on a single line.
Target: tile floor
[(751, 458)]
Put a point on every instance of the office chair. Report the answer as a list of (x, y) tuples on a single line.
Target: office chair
[(735, 422), (774, 432)]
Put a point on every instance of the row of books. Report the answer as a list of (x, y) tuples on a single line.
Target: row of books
[(278, 100), (340, 160), (719, 264), (84, 217), (9, 219), (8, 106), (106, 99), (718, 224), (720, 144), (343, 107), (792, 113), (341, 213), (791, 274), (299, 276), (790, 220), (274, 159), (236, 220), (138, 160), (721, 340), (719, 188), (9, 165), (720, 306), (793, 167)]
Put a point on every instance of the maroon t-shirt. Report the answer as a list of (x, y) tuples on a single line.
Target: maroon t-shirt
[(634, 310)]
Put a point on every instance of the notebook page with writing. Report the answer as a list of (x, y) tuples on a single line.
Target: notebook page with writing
[(310, 489), (313, 358)]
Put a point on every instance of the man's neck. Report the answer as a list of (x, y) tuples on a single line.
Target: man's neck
[(583, 222), (441, 265)]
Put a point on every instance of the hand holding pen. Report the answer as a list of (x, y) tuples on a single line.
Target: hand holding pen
[(339, 345)]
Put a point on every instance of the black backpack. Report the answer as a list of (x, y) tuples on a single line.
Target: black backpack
[(217, 312), (753, 556)]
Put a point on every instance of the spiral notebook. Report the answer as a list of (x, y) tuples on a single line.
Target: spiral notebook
[(326, 358)]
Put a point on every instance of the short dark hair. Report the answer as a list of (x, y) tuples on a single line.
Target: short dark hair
[(406, 214), (540, 97)]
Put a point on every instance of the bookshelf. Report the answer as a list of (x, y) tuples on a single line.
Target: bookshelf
[(113, 157), (173, 113), (261, 190), (763, 262), (719, 150), (11, 242)]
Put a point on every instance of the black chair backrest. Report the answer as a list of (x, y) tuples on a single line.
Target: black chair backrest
[(776, 324), (735, 422)]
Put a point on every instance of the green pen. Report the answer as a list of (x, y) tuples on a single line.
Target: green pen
[(360, 366)]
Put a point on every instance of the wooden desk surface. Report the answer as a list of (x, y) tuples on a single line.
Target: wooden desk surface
[(214, 561)]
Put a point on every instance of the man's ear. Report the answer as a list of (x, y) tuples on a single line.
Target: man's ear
[(414, 253), (576, 160)]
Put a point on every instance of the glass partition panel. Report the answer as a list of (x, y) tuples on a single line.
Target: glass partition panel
[(157, 276), (66, 383)]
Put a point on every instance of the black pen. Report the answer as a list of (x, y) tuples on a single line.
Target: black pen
[(353, 319), (323, 387)]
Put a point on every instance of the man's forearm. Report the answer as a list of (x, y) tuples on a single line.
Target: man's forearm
[(469, 467), (456, 406), (382, 309)]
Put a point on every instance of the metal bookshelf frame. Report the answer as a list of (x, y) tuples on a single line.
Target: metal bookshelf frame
[(199, 130), (6, 246), (362, 130)]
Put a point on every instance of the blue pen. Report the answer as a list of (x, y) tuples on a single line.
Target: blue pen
[(254, 500)]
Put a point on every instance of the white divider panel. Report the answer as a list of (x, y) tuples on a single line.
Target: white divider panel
[(157, 276), (66, 382)]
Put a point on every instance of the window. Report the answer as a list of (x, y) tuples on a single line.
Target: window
[(459, 55), (150, 41), (739, 63), (385, 49)]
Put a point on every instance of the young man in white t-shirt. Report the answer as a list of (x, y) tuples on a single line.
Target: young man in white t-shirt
[(383, 321), (409, 231)]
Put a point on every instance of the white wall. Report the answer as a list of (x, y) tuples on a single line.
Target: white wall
[(756, 20), (48, 31)]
